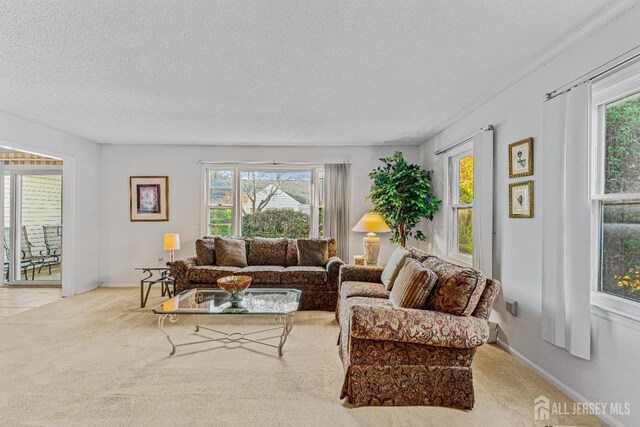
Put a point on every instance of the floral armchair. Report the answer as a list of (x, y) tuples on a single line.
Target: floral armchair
[(399, 356)]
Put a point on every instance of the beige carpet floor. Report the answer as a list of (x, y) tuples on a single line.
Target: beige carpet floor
[(97, 359)]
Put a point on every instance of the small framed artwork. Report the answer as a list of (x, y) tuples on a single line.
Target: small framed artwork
[(149, 198), (521, 158), (521, 199)]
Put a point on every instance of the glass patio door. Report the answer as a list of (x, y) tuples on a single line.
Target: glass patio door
[(32, 227)]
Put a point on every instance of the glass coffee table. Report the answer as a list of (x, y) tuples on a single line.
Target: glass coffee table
[(281, 303)]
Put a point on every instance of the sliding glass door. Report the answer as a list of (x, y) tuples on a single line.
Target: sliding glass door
[(32, 226)]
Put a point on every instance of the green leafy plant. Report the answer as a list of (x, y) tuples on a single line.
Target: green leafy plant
[(402, 195), (276, 223)]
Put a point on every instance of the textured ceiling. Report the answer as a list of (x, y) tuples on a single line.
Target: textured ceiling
[(267, 72)]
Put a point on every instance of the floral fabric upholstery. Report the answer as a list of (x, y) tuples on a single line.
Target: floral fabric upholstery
[(363, 289), (333, 272), (360, 273), (179, 270), (304, 275), (262, 274), (457, 290), (418, 255), (210, 273), (387, 323), (205, 252), (319, 285), (409, 385), (398, 356), (489, 295), (357, 273), (267, 252)]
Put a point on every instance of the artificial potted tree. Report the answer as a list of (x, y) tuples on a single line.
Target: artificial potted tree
[(402, 195)]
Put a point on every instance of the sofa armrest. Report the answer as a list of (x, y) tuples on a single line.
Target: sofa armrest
[(360, 273), (387, 323), (179, 270), (333, 272)]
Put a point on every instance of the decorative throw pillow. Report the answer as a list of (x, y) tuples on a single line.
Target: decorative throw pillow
[(292, 252), (412, 286), (205, 252), (230, 252), (313, 252), (393, 267), (268, 251), (458, 289)]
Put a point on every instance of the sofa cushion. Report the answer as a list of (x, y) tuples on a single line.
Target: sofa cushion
[(230, 252), (292, 252), (412, 286), (205, 252), (363, 289), (393, 267), (304, 275), (457, 290), (267, 251), (209, 273), (418, 254), (313, 252), (262, 274)]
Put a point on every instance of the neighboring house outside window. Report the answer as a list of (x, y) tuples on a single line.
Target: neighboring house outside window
[(459, 203), (262, 201), (615, 179)]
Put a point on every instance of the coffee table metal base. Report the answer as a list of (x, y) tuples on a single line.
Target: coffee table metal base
[(285, 322)]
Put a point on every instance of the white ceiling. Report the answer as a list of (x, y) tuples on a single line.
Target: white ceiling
[(274, 72)]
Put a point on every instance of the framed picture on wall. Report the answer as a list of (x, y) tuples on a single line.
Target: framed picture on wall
[(521, 199), (149, 198), (521, 158)]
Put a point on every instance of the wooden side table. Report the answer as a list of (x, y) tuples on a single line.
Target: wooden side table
[(157, 274)]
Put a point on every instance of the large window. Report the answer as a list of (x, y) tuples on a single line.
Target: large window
[(459, 209), (616, 188), (264, 201)]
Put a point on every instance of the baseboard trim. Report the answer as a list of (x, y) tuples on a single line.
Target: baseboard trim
[(606, 418), (119, 285)]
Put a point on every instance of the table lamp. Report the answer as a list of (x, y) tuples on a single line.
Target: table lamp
[(371, 223), (171, 243)]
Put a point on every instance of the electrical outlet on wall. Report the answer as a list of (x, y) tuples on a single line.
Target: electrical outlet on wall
[(512, 307)]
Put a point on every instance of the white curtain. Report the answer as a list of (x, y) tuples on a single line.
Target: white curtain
[(337, 195), (566, 222), (483, 202)]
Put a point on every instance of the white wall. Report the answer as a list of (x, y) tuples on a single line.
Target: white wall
[(613, 372), (81, 171), (126, 245)]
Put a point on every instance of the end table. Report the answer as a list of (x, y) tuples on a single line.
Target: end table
[(156, 274)]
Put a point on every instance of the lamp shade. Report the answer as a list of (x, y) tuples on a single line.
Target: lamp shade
[(171, 242), (371, 223)]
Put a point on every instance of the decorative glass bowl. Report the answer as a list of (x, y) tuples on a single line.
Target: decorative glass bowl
[(234, 286)]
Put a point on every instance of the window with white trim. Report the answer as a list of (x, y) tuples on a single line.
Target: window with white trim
[(263, 201), (459, 203), (615, 183)]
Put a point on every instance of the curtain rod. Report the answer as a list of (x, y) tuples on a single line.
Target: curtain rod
[(463, 140), (272, 163), (618, 61)]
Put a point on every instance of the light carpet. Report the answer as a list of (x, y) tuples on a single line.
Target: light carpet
[(96, 359)]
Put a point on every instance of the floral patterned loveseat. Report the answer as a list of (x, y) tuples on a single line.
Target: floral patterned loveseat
[(272, 263), (400, 356)]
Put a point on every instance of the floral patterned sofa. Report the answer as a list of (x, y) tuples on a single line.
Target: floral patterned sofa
[(319, 284), (399, 356)]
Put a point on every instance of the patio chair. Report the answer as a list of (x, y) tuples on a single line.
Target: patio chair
[(25, 263), (53, 242), (36, 254)]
